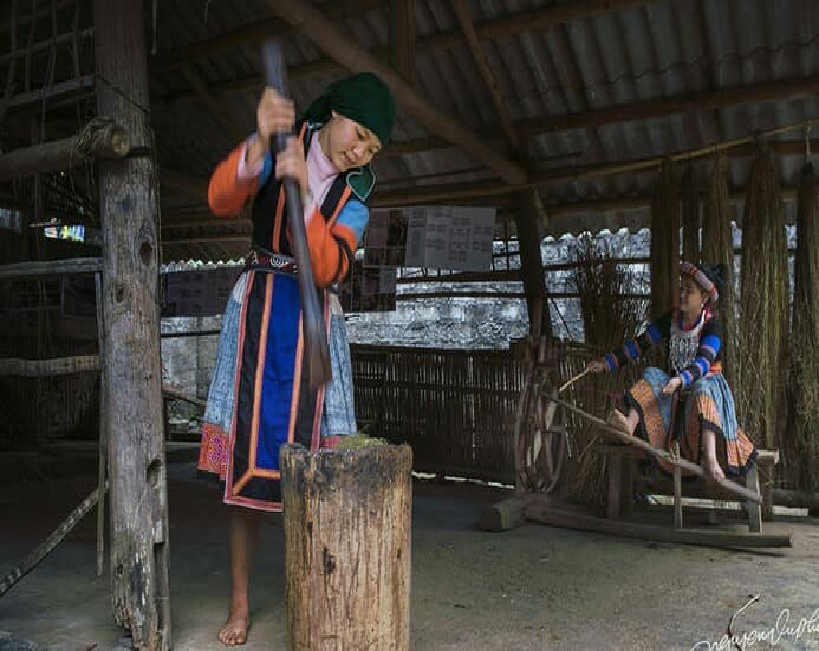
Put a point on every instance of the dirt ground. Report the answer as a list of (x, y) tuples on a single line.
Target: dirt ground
[(530, 589)]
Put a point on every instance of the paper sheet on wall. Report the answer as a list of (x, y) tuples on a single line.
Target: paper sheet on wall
[(449, 237)]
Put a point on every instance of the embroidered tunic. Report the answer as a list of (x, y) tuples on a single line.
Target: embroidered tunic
[(693, 353), (259, 399)]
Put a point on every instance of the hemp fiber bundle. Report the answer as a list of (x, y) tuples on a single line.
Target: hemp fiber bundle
[(690, 216), (803, 447), (609, 320), (763, 308), (718, 248)]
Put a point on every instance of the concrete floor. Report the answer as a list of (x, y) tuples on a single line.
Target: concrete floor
[(530, 589)]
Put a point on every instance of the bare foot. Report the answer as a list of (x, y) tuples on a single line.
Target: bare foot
[(713, 471), (234, 632), (619, 421)]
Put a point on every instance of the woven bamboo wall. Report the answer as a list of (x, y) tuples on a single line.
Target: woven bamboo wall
[(456, 408)]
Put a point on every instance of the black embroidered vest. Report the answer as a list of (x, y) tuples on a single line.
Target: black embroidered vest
[(270, 219)]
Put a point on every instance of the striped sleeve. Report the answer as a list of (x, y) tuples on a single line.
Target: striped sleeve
[(635, 348), (710, 344)]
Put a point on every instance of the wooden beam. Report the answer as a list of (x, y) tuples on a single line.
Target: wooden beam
[(711, 68), (128, 200), (183, 182), (432, 193), (796, 500), (211, 221), (457, 294), (49, 367), (567, 67), (216, 109), (547, 513), (535, 20), (251, 33), (55, 90), (46, 12), (478, 294), (173, 394), (329, 38), (431, 143), (783, 89), (499, 276), (402, 39), (49, 267), (487, 189), (109, 141), (490, 82), (527, 223), (206, 238), (641, 202), (47, 44)]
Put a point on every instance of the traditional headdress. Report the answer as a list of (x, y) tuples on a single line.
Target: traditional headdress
[(709, 277)]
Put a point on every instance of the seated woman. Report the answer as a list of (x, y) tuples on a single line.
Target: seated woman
[(692, 404)]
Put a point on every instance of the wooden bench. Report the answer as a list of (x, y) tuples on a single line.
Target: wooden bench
[(621, 485)]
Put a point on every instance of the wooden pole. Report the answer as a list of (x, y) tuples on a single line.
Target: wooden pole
[(694, 102), (128, 209), (665, 241), (102, 462), (307, 18), (36, 97), (253, 32), (347, 517), (527, 222), (49, 367), (48, 267), (461, 9), (402, 39), (539, 510), (741, 148), (796, 500), (100, 139), (49, 544)]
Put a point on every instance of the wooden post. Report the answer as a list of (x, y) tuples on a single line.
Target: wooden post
[(527, 223), (347, 516), (627, 485), (678, 513), (614, 466), (128, 208), (402, 39), (754, 510), (102, 441), (101, 139)]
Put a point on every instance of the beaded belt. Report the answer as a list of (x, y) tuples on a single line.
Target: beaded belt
[(274, 262)]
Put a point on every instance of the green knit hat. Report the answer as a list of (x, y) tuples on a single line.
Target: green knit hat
[(363, 98)]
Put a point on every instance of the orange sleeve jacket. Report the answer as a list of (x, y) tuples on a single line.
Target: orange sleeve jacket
[(326, 239)]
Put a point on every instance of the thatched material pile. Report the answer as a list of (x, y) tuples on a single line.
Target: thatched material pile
[(690, 216), (718, 248), (609, 320), (802, 446), (763, 308)]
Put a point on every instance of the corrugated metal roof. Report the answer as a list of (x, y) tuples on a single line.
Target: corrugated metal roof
[(646, 51)]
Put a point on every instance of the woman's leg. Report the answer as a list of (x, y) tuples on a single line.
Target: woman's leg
[(710, 464), (626, 422), (244, 530)]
